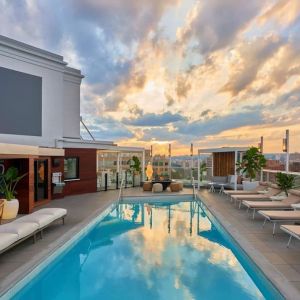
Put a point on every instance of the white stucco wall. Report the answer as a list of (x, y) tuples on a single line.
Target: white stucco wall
[(60, 92)]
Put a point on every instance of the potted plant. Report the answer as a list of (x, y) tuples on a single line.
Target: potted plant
[(8, 184), (252, 163), (135, 167), (203, 169), (285, 182)]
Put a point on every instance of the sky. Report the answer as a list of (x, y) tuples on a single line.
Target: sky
[(212, 73)]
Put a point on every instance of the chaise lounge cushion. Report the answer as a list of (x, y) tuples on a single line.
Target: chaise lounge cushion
[(295, 229), (21, 229), (41, 220), (281, 215), (56, 212), (7, 239), (266, 204)]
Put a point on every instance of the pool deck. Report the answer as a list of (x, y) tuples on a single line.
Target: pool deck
[(280, 264)]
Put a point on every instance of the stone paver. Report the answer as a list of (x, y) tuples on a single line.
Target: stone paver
[(281, 260)]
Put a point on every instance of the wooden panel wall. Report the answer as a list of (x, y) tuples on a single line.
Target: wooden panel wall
[(87, 172), (223, 163)]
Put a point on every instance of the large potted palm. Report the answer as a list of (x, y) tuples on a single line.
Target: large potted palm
[(252, 163), (8, 184)]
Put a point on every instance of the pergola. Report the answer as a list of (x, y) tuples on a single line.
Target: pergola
[(224, 160)]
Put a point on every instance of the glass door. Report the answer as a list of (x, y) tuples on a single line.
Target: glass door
[(40, 180)]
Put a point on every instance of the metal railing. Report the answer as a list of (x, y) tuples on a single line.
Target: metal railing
[(194, 189), (121, 191)]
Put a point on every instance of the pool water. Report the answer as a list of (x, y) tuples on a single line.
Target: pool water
[(152, 249)]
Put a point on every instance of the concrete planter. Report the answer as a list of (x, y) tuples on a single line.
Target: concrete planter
[(137, 180), (250, 185), (10, 209)]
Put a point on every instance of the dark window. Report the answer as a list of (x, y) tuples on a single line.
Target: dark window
[(71, 168)]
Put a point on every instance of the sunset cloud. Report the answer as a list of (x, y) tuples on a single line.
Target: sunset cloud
[(214, 73)]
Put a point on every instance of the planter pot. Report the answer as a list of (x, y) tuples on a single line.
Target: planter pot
[(137, 180), (250, 185), (10, 209)]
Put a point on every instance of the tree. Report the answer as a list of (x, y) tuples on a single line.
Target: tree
[(252, 163)]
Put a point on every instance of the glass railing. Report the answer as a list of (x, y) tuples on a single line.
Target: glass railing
[(270, 176)]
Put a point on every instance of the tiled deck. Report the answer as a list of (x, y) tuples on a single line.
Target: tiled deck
[(281, 264)]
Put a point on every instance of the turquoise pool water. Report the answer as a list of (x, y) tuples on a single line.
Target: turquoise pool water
[(151, 249)]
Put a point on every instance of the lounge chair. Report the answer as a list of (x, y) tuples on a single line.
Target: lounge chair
[(259, 197), (261, 187), (285, 204), (276, 216), (292, 230), (28, 226)]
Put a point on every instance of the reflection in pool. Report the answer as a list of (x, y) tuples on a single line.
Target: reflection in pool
[(154, 250)]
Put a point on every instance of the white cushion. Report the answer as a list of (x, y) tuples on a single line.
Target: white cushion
[(232, 179), (21, 229), (41, 220), (157, 187), (7, 239), (56, 212)]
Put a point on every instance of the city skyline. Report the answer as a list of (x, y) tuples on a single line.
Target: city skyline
[(185, 73)]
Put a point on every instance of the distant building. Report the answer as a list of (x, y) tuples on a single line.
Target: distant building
[(274, 165), (160, 165)]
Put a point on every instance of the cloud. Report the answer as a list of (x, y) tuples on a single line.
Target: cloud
[(182, 87), (154, 120), (215, 24), (250, 58), (186, 132), (290, 100), (219, 123), (106, 128)]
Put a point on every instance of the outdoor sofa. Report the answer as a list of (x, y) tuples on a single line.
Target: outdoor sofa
[(226, 181), (28, 226)]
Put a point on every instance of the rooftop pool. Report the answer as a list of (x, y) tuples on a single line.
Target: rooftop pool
[(167, 247)]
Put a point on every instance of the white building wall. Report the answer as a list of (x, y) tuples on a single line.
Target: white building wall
[(60, 92), (71, 107)]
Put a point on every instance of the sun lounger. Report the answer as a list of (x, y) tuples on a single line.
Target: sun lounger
[(261, 187), (276, 216), (292, 230), (260, 197), (285, 204), (28, 226)]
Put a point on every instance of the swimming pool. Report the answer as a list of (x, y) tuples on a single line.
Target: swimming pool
[(167, 247)]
